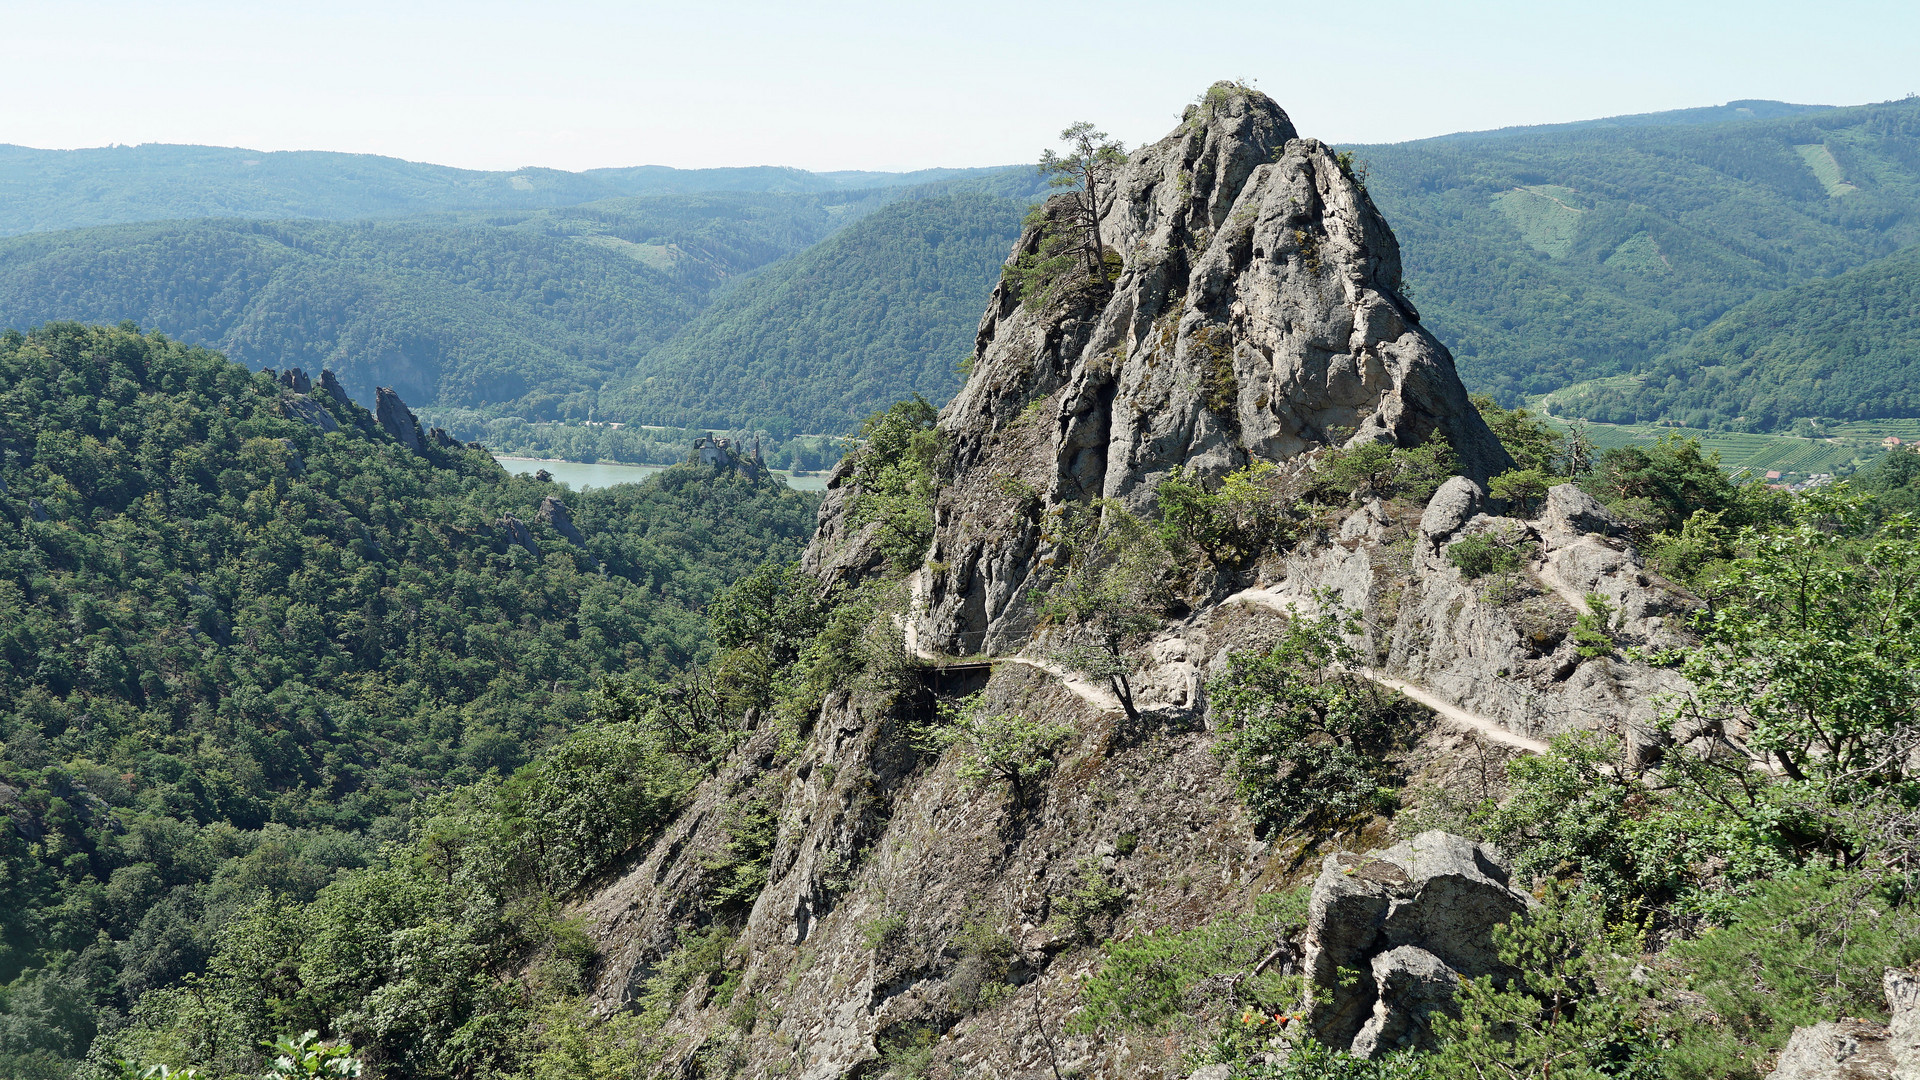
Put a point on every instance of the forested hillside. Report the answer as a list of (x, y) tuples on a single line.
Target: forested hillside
[(1845, 348), (1547, 258), (44, 190), (816, 343), (528, 312), (238, 650)]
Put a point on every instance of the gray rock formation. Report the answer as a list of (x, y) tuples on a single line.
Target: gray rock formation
[(1256, 316), (295, 380), (1412, 920), (301, 407), (442, 439), (1903, 1024), (1456, 503), (554, 513), (332, 385), (518, 533), (1849, 1049), (396, 419)]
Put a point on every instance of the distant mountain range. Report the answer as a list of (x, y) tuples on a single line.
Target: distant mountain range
[(1597, 254), (45, 190)]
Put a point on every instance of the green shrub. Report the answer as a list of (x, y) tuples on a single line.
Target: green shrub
[(1091, 902), (1303, 734), (895, 482), (1248, 514), (1573, 1012), (884, 933), (1382, 470), (1144, 982), (1006, 747), (1804, 949), (1593, 629), (1521, 488), (1482, 554)]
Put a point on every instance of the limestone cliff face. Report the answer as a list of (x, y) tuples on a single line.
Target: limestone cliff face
[(1257, 315)]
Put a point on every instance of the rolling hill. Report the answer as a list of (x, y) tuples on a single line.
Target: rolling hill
[(819, 341), (527, 311), (1845, 348), (1546, 257), (48, 190)]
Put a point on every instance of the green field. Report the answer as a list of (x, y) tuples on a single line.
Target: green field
[(1848, 448)]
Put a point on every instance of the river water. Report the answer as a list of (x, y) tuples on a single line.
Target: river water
[(581, 475)]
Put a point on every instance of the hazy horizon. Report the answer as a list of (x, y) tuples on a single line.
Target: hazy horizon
[(855, 85)]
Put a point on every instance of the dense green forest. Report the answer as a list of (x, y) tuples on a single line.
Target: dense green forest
[(239, 651), (818, 342), (525, 312), (1548, 257), (45, 190), (1840, 348)]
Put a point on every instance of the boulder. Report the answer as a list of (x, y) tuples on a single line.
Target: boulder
[(1568, 509), (1414, 986), (1455, 504), (1903, 1028), (1847, 1050), (1411, 921), (518, 533)]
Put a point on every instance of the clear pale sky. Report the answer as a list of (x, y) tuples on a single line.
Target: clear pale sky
[(851, 84)]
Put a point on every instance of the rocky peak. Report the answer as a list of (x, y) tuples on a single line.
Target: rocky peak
[(1255, 315), (396, 419)]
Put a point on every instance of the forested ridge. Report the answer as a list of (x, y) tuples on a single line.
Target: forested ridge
[(1842, 348), (816, 343), (1544, 258), (525, 312), (44, 190), (240, 651)]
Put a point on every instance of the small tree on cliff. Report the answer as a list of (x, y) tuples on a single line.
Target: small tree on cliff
[(1106, 593), (1087, 166)]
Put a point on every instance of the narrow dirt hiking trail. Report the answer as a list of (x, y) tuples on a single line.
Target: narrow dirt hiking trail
[(1103, 699), (1297, 607)]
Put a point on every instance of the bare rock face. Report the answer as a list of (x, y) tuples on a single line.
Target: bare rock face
[(1256, 315), (1413, 920), (396, 419), (1850, 1049), (517, 533), (296, 380), (554, 512)]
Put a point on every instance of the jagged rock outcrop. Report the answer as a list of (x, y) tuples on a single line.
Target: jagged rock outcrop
[(295, 380), (332, 385), (1850, 1049), (1412, 920), (517, 532), (1256, 316), (1500, 647), (396, 419), (554, 513)]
